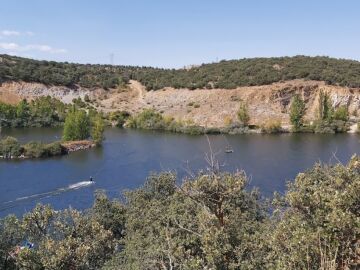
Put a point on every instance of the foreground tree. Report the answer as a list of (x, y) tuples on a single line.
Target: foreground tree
[(64, 240), (11, 234), (319, 228), (210, 222)]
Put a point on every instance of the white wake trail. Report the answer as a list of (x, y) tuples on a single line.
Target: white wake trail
[(13, 203)]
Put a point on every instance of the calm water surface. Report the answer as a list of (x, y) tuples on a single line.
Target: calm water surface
[(127, 157)]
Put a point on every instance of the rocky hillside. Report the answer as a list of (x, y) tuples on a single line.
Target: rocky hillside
[(206, 107)]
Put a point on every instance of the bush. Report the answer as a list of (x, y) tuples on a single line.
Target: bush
[(86, 98), (119, 117), (272, 126), (53, 149), (10, 147), (35, 150), (319, 225), (333, 126), (147, 119), (243, 114), (341, 113)]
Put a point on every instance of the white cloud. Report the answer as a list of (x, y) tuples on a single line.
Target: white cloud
[(9, 46), (10, 33), (14, 47)]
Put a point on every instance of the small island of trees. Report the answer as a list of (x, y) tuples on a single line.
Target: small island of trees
[(81, 129)]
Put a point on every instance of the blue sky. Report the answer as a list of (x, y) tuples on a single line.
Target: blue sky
[(174, 33)]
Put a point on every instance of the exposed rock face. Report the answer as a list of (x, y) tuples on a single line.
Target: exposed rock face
[(15, 91), (211, 108), (74, 146)]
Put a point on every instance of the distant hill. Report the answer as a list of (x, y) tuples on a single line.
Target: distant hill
[(225, 74)]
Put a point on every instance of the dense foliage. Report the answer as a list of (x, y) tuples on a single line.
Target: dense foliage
[(330, 120), (40, 112), (150, 119), (210, 221), (297, 111), (80, 125), (11, 148), (76, 126), (225, 74)]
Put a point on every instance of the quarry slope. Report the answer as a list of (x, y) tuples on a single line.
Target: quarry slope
[(206, 107)]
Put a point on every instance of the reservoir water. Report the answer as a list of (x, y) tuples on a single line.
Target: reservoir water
[(128, 156)]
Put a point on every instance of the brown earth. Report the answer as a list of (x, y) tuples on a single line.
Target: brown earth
[(211, 108)]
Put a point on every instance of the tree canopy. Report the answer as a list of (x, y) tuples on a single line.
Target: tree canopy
[(210, 221), (224, 74)]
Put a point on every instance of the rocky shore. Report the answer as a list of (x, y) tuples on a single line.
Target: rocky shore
[(74, 146)]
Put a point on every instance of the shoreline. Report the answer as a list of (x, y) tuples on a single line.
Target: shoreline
[(65, 149)]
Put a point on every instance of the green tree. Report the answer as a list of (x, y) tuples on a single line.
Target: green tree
[(243, 114), (77, 126), (209, 222), (325, 107), (11, 234), (65, 240), (97, 129), (22, 110), (318, 228), (297, 111)]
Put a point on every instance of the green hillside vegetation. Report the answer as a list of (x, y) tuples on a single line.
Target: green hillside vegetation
[(225, 74), (41, 112), (211, 221)]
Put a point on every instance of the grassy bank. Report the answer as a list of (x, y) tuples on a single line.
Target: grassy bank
[(10, 148)]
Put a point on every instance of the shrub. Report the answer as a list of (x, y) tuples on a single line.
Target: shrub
[(86, 98), (119, 117), (272, 126), (319, 225), (10, 147), (227, 120), (147, 119), (243, 114), (35, 150), (341, 113), (53, 149)]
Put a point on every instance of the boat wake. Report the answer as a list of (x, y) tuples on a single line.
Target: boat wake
[(10, 204)]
